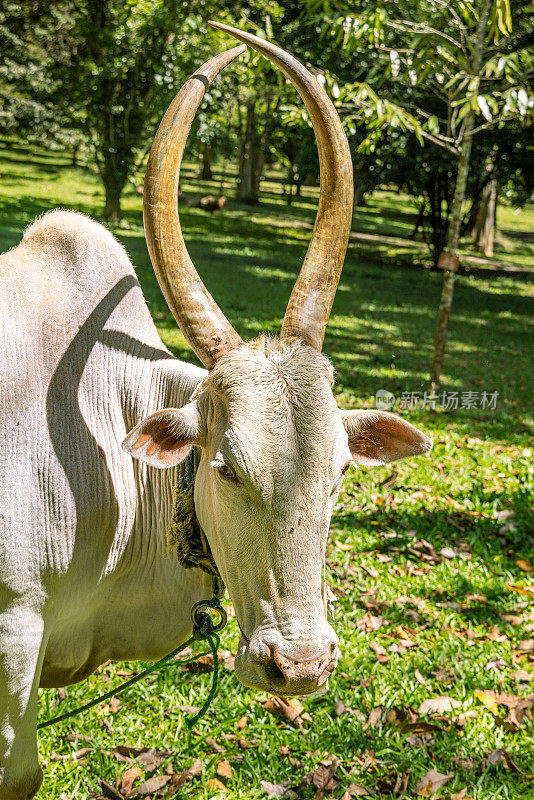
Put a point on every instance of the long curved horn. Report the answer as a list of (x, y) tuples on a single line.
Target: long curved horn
[(312, 297), (202, 322)]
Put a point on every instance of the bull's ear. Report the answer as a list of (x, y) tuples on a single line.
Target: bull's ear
[(378, 437), (165, 438)]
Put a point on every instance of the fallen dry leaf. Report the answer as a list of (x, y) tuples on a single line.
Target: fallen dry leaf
[(510, 763), (78, 755), (524, 564), (186, 709), (323, 776), (244, 745), (374, 717), (290, 708), (224, 770), (355, 790), (419, 727), (461, 719), (466, 764), (278, 789), (380, 651), (401, 784), (188, 774), (487, 700), (369, 622), (105, 723), (242, 723), (521, 676), (512, 619), (510, 700), (443, 675), (370, 571), (515, 716), (128, 779), (526, 646), (449, 552), (526, 590), (500, 755), (495, 663), (420, 678), (214, 745), (77, 737), (151, 758), (438, 705), (114, 705), (460, 795), (108, 790), (151, 785), (340, 708), (217, 785), (146, 756), (405, 635), (228, 660), (431, 782), (495, 635), (492, 758)]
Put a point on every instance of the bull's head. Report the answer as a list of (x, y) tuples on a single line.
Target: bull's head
[(273, 444)]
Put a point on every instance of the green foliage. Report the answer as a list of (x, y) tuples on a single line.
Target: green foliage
[(23, 70), (427, 49)]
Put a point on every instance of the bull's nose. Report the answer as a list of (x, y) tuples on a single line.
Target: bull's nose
[(296, 674), (315, 670)]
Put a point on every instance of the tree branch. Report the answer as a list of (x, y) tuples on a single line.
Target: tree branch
[(420, 27)]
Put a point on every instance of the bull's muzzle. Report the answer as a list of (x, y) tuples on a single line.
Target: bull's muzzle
[(293, 676), (272, 663)]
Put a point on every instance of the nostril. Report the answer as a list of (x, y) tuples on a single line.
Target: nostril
[(263, 653), (274, 673)]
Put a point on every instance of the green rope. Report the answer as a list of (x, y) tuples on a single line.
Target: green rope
[(214, 643), (203, 630)]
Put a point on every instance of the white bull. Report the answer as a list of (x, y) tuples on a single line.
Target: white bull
[(85, 571)]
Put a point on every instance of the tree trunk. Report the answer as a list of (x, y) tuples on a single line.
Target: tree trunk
[(205, 172), (419, 221), (112, 208), (359, 193), (74, 154), (249, 167), (114, 166), (253, 148), (449, 258), (484, 230), (114, 174)]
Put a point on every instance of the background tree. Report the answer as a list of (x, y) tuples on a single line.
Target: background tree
[(458, 71), (124, 63), (126, 60), (259, 90), (26, 31)]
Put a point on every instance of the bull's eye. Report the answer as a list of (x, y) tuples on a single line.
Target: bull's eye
[(345, 468), (225, 471)]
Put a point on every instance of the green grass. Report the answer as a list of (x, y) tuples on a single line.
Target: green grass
[(472, 493)]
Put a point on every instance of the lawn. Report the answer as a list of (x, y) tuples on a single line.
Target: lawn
[(428, 559)]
